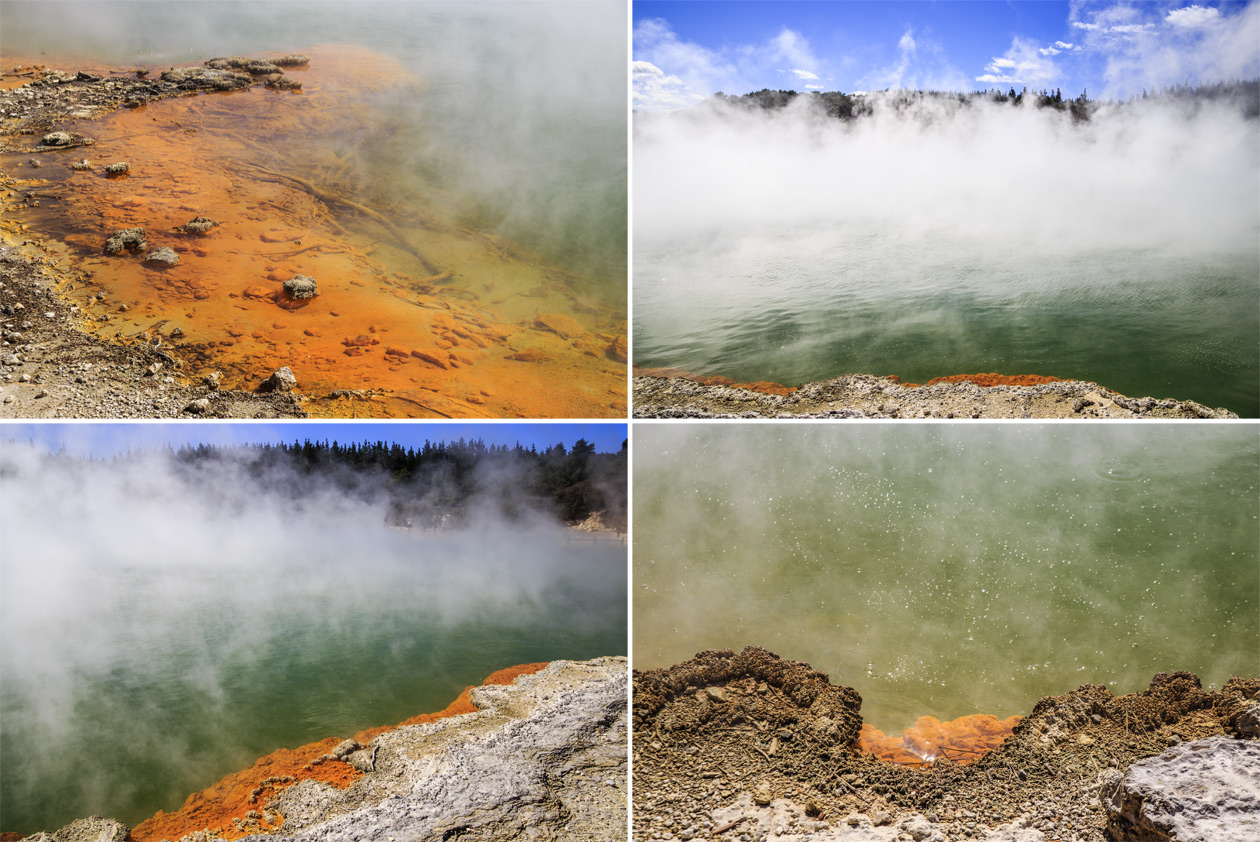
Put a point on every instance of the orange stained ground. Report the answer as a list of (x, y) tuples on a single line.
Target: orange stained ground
[(220, 807), (438, 318), (963, 740), (778, 389)]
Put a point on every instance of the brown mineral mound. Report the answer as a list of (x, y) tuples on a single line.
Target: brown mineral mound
[(724, 730), (233, 807)]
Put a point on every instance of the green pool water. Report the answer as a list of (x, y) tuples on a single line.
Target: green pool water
[(951, 570)]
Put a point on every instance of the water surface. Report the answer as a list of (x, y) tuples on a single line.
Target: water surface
[(946, 571)]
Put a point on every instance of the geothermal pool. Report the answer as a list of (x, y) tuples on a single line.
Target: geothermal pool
[(948, 571), (147, 651), (793, 308), (460, 204), (938, 239)]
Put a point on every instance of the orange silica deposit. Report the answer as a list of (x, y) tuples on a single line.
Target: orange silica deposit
[(418, 312), (763, 386), (963, 740), (994, 379), (225, 807)]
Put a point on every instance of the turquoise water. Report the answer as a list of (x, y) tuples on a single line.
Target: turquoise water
[(811, 306), (157, 634), (523, 114), (952, 570), (938, 239)]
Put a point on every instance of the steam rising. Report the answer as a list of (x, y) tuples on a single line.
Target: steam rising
[(1153, 174), (947, 571), (524, 110), (163, 627), (933, 237)]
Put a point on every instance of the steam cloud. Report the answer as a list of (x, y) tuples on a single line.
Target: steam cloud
[(950, 571), (162, 627), (1152, 174), (933, 237), (524, 111)]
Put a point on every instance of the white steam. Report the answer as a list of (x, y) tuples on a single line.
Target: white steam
[(160, 619), (1146, 175)]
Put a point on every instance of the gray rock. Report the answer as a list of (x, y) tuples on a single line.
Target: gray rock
[(1247, 723), (531, 763), (128, 239), (1200, 791), (165, 256), (93, 829), (198, 407), (280, 381), (301, 287), (119, 168), (345, 748), (197, 225), (57, 138)]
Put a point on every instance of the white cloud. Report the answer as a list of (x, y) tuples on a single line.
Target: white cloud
[(690, 72), (1194, 16), (645, 68), (1024, 63), (1144, 47), (1063, 46), (921, 64)]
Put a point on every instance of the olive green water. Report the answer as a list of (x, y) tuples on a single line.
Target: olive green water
[(161, 676), (952, 570)]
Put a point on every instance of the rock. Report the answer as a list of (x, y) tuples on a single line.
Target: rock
[(57, 139), (215, 78), (301, 287), (432, 356), (533, 762), (93, 829), (212, 379), (562, 326), (715, 694), (197, 225), (1200, 791), (129, 239), (1247, 723), (198, 407), (529, 355), (85, 164), (619, 350), (295, 60), (280, 381), (345, 748), (165, 256), (119, 168), (762, 796)]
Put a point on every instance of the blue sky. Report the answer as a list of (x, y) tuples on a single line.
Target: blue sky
[(686, 51), (104, 439)]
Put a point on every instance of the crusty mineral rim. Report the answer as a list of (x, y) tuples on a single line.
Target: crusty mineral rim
[(232, 798), (768, 388)]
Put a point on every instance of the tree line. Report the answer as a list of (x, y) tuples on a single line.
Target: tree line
[(441, 484), (842, 106)]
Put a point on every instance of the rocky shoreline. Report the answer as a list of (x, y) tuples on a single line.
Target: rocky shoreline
[(542, 757), (50, 366), (753, 747), (867, 396)]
